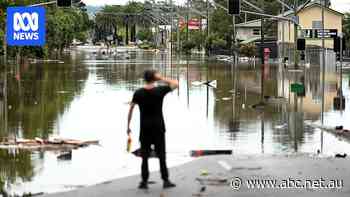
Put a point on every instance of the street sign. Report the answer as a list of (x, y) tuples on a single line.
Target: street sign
[(194, 24), (328, 33), (318, 33), (25, 26), (297, 88)]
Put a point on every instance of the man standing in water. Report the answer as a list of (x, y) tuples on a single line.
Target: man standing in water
[(152, 126)]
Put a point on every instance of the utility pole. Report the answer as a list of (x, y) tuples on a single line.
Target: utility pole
[(207, 18), (171, 38), (178, 34), (262, 43), (295, 34), (187, 17), (282, 44), (323, 62), (341, 72)]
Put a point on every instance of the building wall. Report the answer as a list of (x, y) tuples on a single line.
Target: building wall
[(332, 21)]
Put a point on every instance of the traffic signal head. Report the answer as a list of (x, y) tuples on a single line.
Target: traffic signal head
[(64, 3), (336, 44), (234, 7), (301, 44)]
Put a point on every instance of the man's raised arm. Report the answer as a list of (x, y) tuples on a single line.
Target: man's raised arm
[(173, 83)]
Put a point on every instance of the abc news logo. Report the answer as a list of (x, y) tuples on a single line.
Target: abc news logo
[(26, 26)]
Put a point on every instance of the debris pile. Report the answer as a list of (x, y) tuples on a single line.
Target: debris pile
[(46, 144)]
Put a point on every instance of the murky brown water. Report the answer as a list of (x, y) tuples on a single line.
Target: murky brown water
[(84, 99)]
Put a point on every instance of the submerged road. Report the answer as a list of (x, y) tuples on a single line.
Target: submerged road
[(291, 175)]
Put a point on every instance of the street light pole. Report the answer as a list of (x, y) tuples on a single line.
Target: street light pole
[(295, 34), (323, 62), (187, 16), (207, 18)]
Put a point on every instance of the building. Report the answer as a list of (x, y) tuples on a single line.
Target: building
[(248, 30), (310, 25)]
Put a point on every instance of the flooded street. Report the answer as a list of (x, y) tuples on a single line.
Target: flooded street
[(87, 99)]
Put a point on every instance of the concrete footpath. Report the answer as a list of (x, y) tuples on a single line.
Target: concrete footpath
[(211, 176)]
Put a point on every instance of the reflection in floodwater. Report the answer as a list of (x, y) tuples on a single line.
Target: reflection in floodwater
[(87, 99)]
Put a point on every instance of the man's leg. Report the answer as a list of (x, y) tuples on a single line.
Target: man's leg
[(159, 146), (145, 151), (161, 153)]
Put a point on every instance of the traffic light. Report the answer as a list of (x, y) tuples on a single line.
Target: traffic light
[(64, 3), (336, 44), (234, 7), (301, 44)]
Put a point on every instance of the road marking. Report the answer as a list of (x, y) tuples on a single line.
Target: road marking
[(225, 165)]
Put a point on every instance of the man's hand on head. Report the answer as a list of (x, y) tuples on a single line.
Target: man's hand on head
[(158, 76)]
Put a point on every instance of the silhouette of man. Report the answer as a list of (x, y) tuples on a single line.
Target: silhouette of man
[(152, 126)]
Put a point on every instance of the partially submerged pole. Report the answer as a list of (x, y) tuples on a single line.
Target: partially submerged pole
[(323, 62)]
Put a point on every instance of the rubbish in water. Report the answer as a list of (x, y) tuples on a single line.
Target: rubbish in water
[(243, 106), (198, 153), (259, 106), (226, 98), (282, 126), (138, 153), (204, 173), (212, 181), (65, 156), (50, 144), (340, 155), (339, 127)]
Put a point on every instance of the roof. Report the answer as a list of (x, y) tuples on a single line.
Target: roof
[(252, 23), (309, 5)]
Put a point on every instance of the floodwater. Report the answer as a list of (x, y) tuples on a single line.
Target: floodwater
[(87, 99)]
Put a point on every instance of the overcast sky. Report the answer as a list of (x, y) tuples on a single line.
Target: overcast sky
[(339, 5)]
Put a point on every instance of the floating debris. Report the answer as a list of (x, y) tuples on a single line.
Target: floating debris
[(65, 156), (340, 155), (212, 181), (282, 126), (204, 173), (198, 153), (226, 98), (39, 144)]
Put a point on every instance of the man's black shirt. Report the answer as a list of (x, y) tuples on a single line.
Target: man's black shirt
[(150, 102)]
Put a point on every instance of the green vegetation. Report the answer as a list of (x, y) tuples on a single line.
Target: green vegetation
[(346, 28)]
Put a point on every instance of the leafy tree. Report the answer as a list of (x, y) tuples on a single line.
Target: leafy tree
[(346, 27), (144, 34)]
